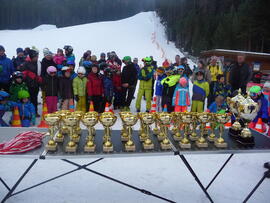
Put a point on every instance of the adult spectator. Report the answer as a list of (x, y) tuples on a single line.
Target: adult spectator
[(6, 70), (113, 62), (184, 62), (227, 69), (69, 53), (19, 61), (240, 74), (214, 69), (47, 61), (201, 67), (86, 57), (177, 61)]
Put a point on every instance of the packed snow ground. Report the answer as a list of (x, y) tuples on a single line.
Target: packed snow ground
[(138, 36)]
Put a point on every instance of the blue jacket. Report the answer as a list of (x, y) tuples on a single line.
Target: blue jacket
[(181, 96), (3, 108), (27, 111), (159, 86), (108, 87), (263, 112), (137, 68), (213, 108), (7, 69)]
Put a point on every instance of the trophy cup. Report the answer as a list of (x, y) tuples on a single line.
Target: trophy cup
[(193, 136), (71, 122), (107, 119), (233, 103), (142, 130), (176, 129), (211, 137), (147, 120), (222, 119), (248, 110), (51, 120), (203, 119), (124, 130), (187, 120), (90, 119), (165, 120), (156, 131), (78, 129), (61, 128), (129, 120)]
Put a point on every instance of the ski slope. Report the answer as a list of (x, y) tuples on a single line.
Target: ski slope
[(138, 36)]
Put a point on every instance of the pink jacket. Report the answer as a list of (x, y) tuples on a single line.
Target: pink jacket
[(59, 59)]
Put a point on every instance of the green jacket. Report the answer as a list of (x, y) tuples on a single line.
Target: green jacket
[(171, 80), (146, 77), (79, 86), (15, 88)]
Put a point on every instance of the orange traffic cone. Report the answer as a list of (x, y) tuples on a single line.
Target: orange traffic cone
[(229, 124), (42, 121), (154, 105), (107, 108), (16, 122), (111, 108), (71, 106), (91, 107), (259, 126)]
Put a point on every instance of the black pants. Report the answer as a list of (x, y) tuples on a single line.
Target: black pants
[(4, 87), (128, 94), (98, 103), (168, 101), (118, 99), (34, 97)]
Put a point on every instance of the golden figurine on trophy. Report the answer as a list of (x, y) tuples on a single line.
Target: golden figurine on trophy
[(222, 119), (79, 115), (155, 130), (124, 130), (147, 120), (107, 119), (142, 130), (165, 119), (71, 121), (186, 118), (90, 119), (129, 120), (51, 120), (193, 136), (213, 119), (176, 128), (203, 119)]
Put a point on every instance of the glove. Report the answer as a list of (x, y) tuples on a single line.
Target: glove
[(90, 98), (76, 97)]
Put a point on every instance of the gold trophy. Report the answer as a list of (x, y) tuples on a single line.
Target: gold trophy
[(222, 119), (90, 119), (61, 128), (147, 120), (129, 120), (124, 130), (71, 122), (203, 119), (156, 131), (78, 129), (107, 119), (211, 137), (51, 120), (187, 120), (142, 130), (193, 136), (177, 123), (165, 120)]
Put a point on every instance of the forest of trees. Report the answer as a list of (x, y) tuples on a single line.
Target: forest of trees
[(197, 25), (25, 14)]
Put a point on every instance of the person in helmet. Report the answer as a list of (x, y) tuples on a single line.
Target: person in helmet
[(19, 61), (50, 86), (113, 63), (86, 57), (65, 88), (200, 92), (71, 65), (47, 61), (145, 86), (108, 85), (17, 85), (79, 89), (102, 58), (69, 53), (159, 87), (26, 109), (87, 65), (5, 105)]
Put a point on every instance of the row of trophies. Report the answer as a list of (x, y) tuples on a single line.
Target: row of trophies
[(184, 128)]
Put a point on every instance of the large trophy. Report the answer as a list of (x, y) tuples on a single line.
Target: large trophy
[(187, 120), (129, 120), (79, 115), (248, 110), (222, 119), (156, 131), (147, 120), (142, 130), (234, 103), (203, 118), (90, 119), (124, 130), (51, 120), (71, 122), (193, 136), (165, 119), (176, 128), (107, 119), (62, 129)]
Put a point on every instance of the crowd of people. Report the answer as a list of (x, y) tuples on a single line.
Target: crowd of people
[(112, 80)]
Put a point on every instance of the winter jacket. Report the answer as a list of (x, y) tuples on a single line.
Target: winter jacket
[(239, 76), (31, 75), (27, 111), (200, 90), (221, 89), (15, 88), (6, 69), (207, 74), (129, 75), (45, 64), (215, 71), (146, 77), (50, 85), (3, 109), (159, 86), (18, 62), (79, 86), (108, 87), (188, 72), (263, 111), (59, 60), (95, 85), (169, 83), (117, 83), (65, 88), (214, 108), (267, 97), (70, 57), (181, 96), (114, 65), (137, 68)]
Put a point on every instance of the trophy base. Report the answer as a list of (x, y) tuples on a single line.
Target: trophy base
[(124, 138), (184, 145), (156, 131), (177, 138), (201, 144), (221, 145), (90, 149), (193, 138), (59, 139), (143, 138), (130, 148), (165, 146), (160, 137), (76, 139), (246, 141), (71, 149), (107, 149), (148, 146), (234, 133), (51, 148), (210, 138)]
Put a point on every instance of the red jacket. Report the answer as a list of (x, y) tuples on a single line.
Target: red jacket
[(95, 85), (113, 65), (117, 83)]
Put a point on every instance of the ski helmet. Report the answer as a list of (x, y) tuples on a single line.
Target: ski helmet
[(147, 60), (17, 74), (183, 81), (255, 91), (22, 94), (102, 55), (71, 62), (87, 64), (81, 70), (108, 72), (127, 59), (3, 95), (68, 48), (51, 69), (181, 67)]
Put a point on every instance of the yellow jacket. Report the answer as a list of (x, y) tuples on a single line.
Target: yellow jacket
[(215, 71)]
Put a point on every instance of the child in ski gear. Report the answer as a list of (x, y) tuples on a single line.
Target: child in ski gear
[(200, 92), (219, 105), (79, 89), (65, 88), (112, 63), (181, 99), (118, 90), (95, 90), (159, 87), (19, 61), (145, 87), (17, 85), (201, 66), (50, 87), (69, 53), (108, 85), (71, 66), (26, 109), (221, 88), (59, 59), (5, 106)]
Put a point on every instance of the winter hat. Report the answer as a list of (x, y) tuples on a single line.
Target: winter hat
[(19, 50), (87, 64), (127, 59), (166, 63), (180, 67), (51, 69), (22, 94), (32, 53), (65, 69), (183, 81), (2, 48), (70, 62), (255, 89), (17, 74), (93, 58), (266, 85), (81, 70), (47, 52), (102, 55)]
